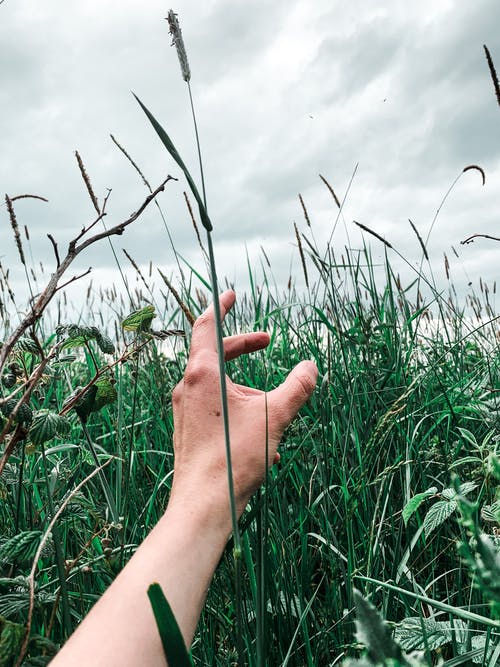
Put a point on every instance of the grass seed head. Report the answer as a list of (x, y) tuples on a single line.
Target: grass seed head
[(178, 42)]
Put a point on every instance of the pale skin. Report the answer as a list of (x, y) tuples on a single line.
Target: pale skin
[(183, 550)]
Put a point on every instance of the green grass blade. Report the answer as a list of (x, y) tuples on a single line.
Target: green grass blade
[(171, 637), (442, 606), (167, 142)]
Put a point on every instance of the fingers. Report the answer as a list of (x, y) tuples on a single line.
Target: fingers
[(204, 337), (234, 346), (287, 399)]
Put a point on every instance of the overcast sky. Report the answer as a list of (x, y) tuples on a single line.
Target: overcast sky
[(284, 90)]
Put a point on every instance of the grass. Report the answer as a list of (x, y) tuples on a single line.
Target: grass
[(407, 403), (399, 405)]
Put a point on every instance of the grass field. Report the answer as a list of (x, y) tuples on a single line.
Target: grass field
[(407, 401), (387, 488)]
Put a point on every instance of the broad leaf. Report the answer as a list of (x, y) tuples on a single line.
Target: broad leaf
[(437, 514), (46, 425), (463, 490), (414, 632), (414, 503), (139, 320)]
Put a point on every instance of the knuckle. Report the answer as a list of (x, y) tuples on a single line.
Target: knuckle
[(197, 371), (177, 394)]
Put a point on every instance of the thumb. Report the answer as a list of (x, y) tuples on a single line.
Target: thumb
[(287, 399)]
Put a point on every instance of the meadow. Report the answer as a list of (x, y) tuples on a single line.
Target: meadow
[(376, 538)]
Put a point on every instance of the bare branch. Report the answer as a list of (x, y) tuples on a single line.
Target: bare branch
[(56, 251), (74, 249)]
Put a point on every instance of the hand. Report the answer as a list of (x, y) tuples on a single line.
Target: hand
[(200, 471)]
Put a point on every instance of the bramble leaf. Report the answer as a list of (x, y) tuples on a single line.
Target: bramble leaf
[(139, 320), (438, 514), (46, 425)]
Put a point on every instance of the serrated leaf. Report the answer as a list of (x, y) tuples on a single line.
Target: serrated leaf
[(106, 393), (24, 413), (105, 344), (27, 345), (85, 404), (479, 642), (46, 425), (491, 512), (414, 632), (75, 341), (139, 320), (373, 632), (414, 503), (463, 490), (437, 514)]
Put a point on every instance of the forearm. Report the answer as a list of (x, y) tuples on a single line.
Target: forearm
[(181, 554)]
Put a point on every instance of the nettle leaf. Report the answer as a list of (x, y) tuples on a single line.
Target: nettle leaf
[(438, 514), (46, 425), (20, 548), (414, 632), (479, 642), (414, 503), (463, 490), (374, 633), (139, 320), (491, 512)]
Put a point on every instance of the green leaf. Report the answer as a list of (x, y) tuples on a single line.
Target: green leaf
[(101, 393), (414, 503), (139, 320), (75, 341), (85, 404), (24, 414), (105, 344), (171, 637), (415, 632), (491, 512), (167, 142), (437, 514), (46, 425), (373, 632), (106, 393), (27, 345), (463, 490)]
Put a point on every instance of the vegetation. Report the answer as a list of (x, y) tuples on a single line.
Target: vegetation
[(375, 540)]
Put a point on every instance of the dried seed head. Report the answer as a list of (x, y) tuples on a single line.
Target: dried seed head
[(15, 229), (178, 42)]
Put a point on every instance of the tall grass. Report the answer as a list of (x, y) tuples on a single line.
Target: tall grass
[(407, 403)]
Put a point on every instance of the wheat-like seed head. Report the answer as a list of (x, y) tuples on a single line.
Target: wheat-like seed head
[(178, 42)]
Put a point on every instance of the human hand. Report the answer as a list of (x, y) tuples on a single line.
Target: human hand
[(200, 471)]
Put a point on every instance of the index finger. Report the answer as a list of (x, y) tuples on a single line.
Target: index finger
[(203, 337)]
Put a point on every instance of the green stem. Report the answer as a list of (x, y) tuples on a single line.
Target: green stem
[(225, 418), (61, 570), (105, 486), (198, 146)]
